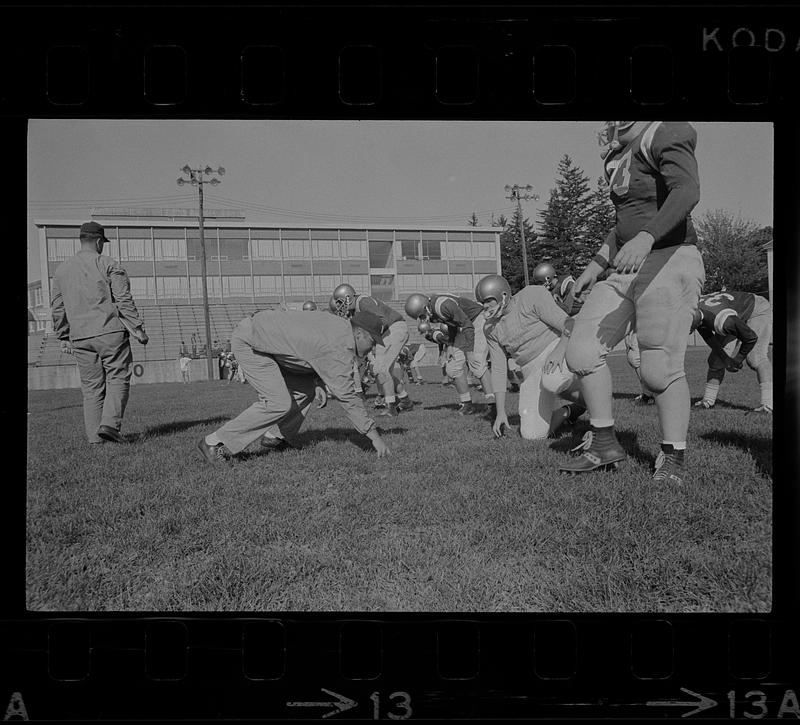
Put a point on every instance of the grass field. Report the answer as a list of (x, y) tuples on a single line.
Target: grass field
[(453, 520)]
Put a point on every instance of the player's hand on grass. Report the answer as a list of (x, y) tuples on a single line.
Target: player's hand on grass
[(320, 396), (633, 253), (380, 447), (500, 426)]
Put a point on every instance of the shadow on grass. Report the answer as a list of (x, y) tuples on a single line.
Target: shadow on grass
[(758, 447), (174, 427), (629, 441)]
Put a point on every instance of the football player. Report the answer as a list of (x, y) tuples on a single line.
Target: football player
[(560, 286), (731, 320), (389, 375), (416, 353), (654, 287), (528, 327), (465, 321)]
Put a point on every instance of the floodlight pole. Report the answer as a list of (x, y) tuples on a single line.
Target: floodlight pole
[(196, 179), (515, 196)]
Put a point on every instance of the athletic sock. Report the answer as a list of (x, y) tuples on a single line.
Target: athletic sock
[(213, 439), (766, 394), (402, 395), (711, 391), (465, 397), (389, 399)]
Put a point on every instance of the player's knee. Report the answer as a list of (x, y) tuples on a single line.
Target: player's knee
[(558, 380), (658, 372), (531, 428), (754, 362), (582, 358)]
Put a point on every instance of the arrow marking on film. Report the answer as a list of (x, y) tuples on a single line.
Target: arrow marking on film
[(703, 703), (342, 703)]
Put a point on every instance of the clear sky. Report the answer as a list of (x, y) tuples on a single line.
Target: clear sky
[(365, 172)]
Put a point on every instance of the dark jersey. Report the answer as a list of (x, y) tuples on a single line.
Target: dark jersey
[(457, 313), (719, 307), (654, 185), (388, 315)]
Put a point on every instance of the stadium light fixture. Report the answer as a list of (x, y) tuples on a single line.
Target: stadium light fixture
[(215, 182), (221, 170), (180, 182), (187, 169), (208, 170)]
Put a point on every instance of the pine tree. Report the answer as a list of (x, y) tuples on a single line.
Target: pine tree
[(564, 233), (602, 217), (511, 251)]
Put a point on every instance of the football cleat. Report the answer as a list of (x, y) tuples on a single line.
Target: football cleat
[(274, 444), (594, 456), (405, 404), (764, 408), (669, 466), (643, 399), (212, 454), (467, 409), (390, 411), (704, 404)]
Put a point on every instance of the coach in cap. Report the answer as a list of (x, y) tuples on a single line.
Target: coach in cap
[(93, 314), (289, 357)]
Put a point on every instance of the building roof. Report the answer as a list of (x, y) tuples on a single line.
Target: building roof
[(218, 223)]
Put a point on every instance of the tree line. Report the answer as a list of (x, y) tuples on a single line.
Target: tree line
[(576, 219)]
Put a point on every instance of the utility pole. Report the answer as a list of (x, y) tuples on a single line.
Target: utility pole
[(195, 178), (515, 196)]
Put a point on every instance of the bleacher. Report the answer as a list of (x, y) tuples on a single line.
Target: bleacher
[(167, 326)]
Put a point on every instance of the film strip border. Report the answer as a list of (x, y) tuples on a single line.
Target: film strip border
[(414, 62), (251, 668)]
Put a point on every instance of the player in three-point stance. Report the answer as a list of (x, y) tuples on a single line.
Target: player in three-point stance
[(345, 302), (727, 320), (465, 319), (528, 327), (653, 289), (560, 286)]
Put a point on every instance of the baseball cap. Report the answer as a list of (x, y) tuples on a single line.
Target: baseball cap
[(93, 229), (369, 322)]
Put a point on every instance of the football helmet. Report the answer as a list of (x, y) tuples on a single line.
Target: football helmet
[(309, 305), (494, 287), (417, 306), (344, 296), (609, 133), (545, 274)]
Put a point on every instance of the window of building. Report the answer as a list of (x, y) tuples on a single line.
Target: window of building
[(326, 248), (233, 249), (60, 249), (212, 284), (436, 283), (462, 283), (237, 286), (143, 288), (135, 250), (380, 254), (432, 245), (296, 248), (298, 284), (172, 286), (458, 250), (41, 325), (354, 244), (170, 249), (267, 285), (324, 284), (266, 249), (409, 249), (37, 297), (409, 283), (484, 250)]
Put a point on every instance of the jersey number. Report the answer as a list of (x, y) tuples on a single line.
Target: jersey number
[(622, 175)]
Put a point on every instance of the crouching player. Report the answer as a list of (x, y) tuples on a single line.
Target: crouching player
[(727, 320), (527, 327)]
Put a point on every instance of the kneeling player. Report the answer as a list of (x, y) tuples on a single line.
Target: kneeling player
[(527, 327)]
